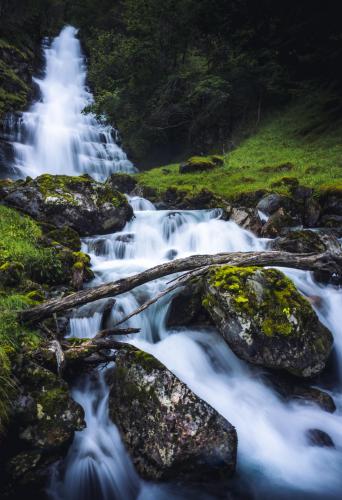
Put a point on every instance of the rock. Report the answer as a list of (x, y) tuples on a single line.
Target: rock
[(85, 205), (247, 219), (199, 164), (311, 212), (66, 236), (278, 223), (300, 241), (43, 421), (266, 321), (316, 437), (124, 183), (169, 432), (186, 307), (331, 201), (292, 389), (272, 202)]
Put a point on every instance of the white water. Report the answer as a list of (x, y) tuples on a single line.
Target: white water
[(274, 458), (54, 136)]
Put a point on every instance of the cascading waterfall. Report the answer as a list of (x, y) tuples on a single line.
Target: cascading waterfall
[(55, 136), (274, 458)]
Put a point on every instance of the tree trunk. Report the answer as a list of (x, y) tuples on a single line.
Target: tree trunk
[(331, 263)]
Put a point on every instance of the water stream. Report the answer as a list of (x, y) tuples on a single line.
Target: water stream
[(55, 135), (274, 457)]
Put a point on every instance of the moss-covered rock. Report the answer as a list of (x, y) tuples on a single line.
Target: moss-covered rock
[(168, 431), (200, 164), (266, 321), (65, 236), (87, 206), (43, 421)]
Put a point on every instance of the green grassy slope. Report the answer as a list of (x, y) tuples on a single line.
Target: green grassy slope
[(301, 142)]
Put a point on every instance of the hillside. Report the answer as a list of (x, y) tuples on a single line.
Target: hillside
[(301, 142)]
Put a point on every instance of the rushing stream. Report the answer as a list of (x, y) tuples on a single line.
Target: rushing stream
[(275, 460)]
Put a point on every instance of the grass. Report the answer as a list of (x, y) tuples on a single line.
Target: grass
[(19, 250), (303, 142), (20, 245)]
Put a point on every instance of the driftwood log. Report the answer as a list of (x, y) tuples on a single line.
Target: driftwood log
[(329, 262)]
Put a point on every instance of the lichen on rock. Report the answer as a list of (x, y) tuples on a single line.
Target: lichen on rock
[(87, 206), (168, 430), (266, 321)]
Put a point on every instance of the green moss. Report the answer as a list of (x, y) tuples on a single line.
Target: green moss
[(265, 296), (66, 236), (145, 360)]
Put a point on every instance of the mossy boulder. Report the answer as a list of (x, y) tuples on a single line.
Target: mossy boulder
[(43, 421), (65, 236), (200, 164), (168, 431), (266, 321), (87, 206)]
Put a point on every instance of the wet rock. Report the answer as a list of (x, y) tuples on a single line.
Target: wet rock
[(85, 205), (186, 307), (316, 437), (300, 241), (278, 223), (246, 218), (292, 389), (124, 183), (266, 321), (168, 431), (43, 421)]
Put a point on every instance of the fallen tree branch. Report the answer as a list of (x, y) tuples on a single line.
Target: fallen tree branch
[(329, 262), (108, 332), (75, 353)]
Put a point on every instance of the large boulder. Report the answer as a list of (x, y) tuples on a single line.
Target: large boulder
[(41, 427), (87, 206), (266, 321), (168, 430)]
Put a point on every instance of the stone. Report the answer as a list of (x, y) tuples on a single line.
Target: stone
[(300, 241), (169, 432), (266, 321), (198, 164), (125, 183), (316, 437), (87, 206), (271, 203)]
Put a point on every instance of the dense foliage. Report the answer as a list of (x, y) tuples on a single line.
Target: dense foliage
[(187, 76), (182, 76)]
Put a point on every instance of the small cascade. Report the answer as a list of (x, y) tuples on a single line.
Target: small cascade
[(275, 460), (56, 135)]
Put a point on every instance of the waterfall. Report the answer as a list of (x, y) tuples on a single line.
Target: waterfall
[(56, 136), (274, 458)]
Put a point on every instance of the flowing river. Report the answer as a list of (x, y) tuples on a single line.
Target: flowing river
[(275, 460)]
